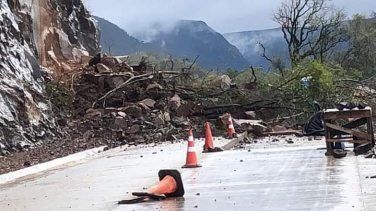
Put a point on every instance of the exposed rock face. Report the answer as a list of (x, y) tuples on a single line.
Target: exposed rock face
[(58, 31), (66, 32)]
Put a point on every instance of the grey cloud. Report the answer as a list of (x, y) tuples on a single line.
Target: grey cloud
[(222, 15)]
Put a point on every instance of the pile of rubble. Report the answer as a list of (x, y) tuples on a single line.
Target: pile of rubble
[(132, 105), (138, 109)]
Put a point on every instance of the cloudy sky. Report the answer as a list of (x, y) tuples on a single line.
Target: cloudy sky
[(223, 15)]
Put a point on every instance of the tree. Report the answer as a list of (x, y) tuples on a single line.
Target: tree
[(108, 45), (276, 62), (311, 28), (361, 52)]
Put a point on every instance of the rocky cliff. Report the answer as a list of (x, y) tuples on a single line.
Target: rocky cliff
[(33, 32)]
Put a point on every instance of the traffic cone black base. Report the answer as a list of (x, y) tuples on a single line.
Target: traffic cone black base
[(192, 166), (170, 185), (216, 149), (179, 192)]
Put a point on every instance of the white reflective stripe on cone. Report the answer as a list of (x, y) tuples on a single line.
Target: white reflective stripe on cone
[(191, 149), (231, 126), (190, 138)]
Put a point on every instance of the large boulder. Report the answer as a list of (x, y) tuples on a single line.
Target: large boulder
[(223, 82), (101, 68)]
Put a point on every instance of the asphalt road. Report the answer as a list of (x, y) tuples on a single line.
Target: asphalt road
[(298, 178)]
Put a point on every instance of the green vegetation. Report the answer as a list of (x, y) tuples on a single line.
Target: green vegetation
[(59, 95)]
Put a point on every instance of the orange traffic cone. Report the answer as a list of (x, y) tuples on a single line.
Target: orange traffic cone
[(208, 138), (209, 146), (231, 130), (191, 153), (170, 185)]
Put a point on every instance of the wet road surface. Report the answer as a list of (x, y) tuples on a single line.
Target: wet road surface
[(299, 178), (294, 179)]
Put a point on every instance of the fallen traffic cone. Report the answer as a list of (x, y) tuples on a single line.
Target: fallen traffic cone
[(209, 146), (191, 153), (170, 185), (231, 130)]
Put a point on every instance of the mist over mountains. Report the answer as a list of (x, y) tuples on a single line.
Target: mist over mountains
[(187, 39), (248, 44)]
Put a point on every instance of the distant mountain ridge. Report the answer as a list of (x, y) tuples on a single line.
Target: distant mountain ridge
[(247, 43), (187, 39)]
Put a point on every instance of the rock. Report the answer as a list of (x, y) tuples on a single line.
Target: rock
[(21, 145), (275, 140), (159, 121), (174, 103), (87, 135), (252, 115), (180, 121), (154, 86), (101, 68), (122, 67), (279, 128), (134, 129), (85, 59), (155, 91), (139, 139), (27, 164), (310, 139), (109, 61), (65, 68), (290, 141), (114, 81), (62, 122), (160, 105), (167, 116), (95, 60), (133, 111), (257, 127), (223, 82), (91, 113), (222, 121), (145, 109), (122, 114), (158, 137), (184, 110), (148, 102), (120, 123)]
